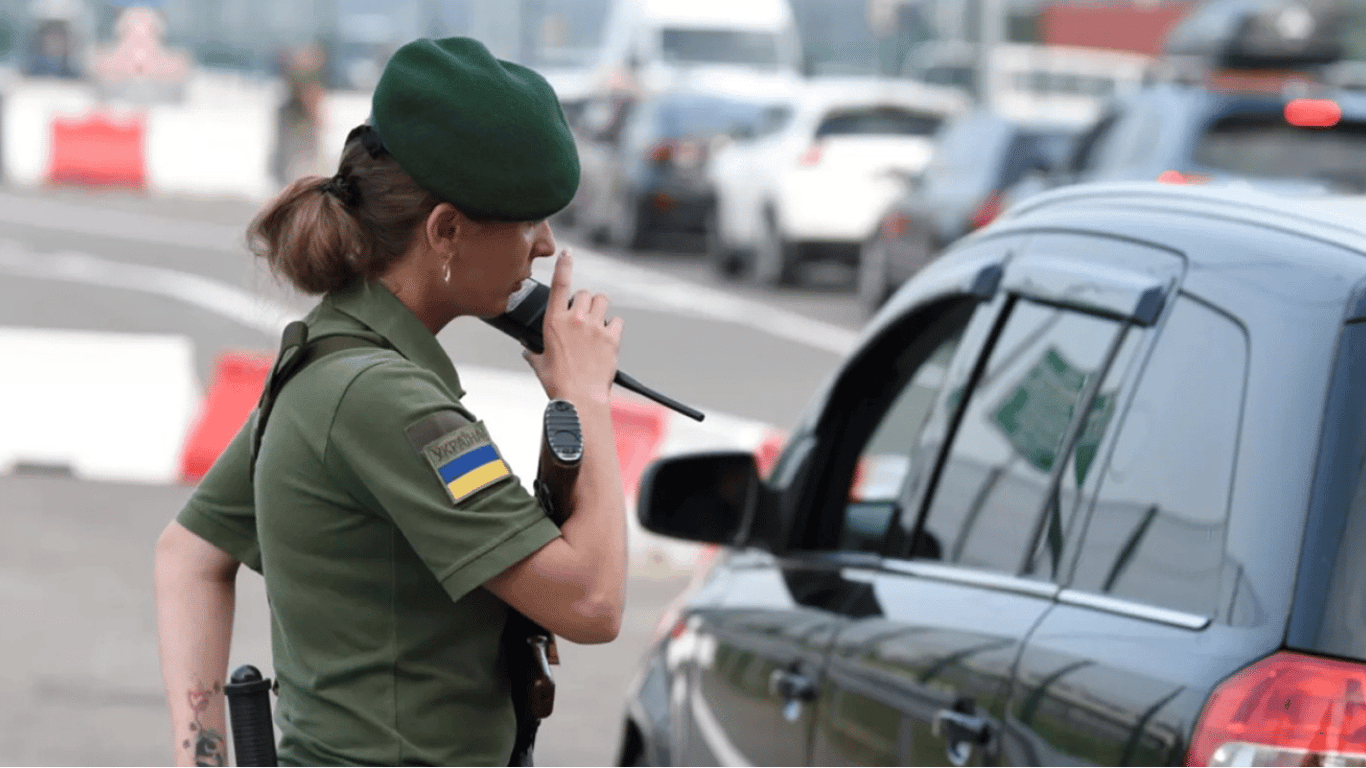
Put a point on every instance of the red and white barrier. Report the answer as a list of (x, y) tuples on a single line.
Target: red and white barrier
[(216, 143), (238, 379)]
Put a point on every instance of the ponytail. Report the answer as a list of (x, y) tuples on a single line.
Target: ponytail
[(321, 234)]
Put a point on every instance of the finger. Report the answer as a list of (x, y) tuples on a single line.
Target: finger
[(582, 304), (561, 281), (598, 308), (614, 329)]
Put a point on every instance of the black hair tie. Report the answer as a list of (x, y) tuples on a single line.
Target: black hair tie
[(369, 138), (342, 187)]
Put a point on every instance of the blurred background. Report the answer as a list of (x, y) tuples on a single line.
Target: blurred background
[(758, 177)]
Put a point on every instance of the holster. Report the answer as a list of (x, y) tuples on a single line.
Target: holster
[(529, 649)]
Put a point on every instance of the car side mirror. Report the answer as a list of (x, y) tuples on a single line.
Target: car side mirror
[(707, 497)]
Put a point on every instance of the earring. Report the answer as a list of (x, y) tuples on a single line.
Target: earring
[(446, 274)]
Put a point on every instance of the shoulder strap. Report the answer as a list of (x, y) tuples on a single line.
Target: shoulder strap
[(296, 353)]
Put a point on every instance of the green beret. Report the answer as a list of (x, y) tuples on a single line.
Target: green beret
[(486, 135)]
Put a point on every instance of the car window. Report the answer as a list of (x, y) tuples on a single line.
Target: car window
[(719, 46), (1130, 143), (1061, 512), (1264, 145), (1087, 152), (861, 445), (885, 460), (1156, 531), (996, 476), (884, 121)]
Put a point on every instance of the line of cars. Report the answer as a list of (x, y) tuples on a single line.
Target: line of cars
[(881, 174)]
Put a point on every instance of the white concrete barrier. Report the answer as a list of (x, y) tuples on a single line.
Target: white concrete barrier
[(218, 142)]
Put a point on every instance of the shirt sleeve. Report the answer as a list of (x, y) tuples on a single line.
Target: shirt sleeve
[(222, 510), (436, 473)]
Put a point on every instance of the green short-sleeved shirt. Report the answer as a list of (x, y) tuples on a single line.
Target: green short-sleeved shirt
[(380, 507)]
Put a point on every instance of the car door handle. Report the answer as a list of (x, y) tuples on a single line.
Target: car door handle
[(961, 733), (956, 727), (791, 686)]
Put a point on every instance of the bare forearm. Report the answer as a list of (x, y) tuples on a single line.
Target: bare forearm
[(597, 527), (194, 629)]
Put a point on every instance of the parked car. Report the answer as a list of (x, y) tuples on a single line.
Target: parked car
[(810, 184), (1182, 133), (978, 157), (643, 170), (1090, 491)]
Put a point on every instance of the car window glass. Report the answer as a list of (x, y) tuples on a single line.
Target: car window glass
[(1087, 151), (878, 122), (1264, 145), (993, 485), (1061, 512), (719, 46), (1131, 142), (1156, 530), (885, 460)]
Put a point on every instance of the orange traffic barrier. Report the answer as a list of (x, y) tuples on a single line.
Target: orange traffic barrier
[(98, 151), (237, 382), (639, 429)]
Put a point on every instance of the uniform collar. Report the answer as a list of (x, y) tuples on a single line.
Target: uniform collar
[(370, 303)]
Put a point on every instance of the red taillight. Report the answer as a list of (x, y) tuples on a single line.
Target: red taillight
[(1177, 177), (1287, 709), (988, 210), (895, 226), (662, 152), (1313, 113), (812, 156)]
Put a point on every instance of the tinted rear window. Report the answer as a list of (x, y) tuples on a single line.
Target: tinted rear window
[(1265, 146), (879, 122), (719, 46)]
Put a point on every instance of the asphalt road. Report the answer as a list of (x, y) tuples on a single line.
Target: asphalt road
[(81, 684)]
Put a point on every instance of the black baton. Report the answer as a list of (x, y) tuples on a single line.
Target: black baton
[(253, 736)]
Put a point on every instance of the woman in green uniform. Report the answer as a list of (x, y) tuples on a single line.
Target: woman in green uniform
[(391, 534)]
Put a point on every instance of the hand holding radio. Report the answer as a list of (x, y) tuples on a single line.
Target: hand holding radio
[(524, 320), (579, 344)]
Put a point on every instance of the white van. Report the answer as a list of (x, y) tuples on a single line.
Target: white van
[(724, 45)]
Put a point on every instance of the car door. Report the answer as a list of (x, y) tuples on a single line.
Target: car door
[(925, 680), (1118, 671), (746, 692)]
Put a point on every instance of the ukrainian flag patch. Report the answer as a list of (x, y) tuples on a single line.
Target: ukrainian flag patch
[(466, 460)]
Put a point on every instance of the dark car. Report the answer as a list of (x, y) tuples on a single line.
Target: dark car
[(644, 173), (978, 157), (1182, 133), (1090, 491), (1249, 95)]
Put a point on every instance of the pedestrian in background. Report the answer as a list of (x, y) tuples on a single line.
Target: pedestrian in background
[(391, 534), (298, 138)]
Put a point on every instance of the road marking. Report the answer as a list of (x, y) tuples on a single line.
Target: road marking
[(221, 298), (103, 406), (629, 285)]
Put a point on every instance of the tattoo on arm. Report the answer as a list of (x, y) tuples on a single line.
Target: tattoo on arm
[(207, 743)]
